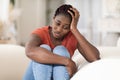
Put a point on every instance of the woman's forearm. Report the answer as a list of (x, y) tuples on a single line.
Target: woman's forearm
[(90, 52), (44, 56)]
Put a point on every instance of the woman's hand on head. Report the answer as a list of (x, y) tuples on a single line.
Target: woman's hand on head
[(75, 18)]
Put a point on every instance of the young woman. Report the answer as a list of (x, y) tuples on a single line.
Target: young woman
[(51, 47)]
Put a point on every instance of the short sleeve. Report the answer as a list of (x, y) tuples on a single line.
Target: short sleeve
[(41, 32)]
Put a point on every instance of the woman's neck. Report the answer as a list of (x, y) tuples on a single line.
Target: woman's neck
[(55, 41)]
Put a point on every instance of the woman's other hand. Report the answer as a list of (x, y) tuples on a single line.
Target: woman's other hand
[(71, 67)]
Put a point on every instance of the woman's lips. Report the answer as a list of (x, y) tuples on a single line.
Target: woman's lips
[(57, 35)]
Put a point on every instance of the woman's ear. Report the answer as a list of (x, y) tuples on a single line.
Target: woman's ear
[(53, 17)]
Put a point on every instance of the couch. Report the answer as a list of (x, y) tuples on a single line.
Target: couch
[(13, 63), (107, 68)]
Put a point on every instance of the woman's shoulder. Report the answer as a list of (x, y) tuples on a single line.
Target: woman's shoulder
[(41, 29), (70, 35), (71, 38), (42, 32)]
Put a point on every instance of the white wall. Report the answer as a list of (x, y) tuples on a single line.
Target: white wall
[(4, 10), (33, 15), (52, 5), (96, 15)]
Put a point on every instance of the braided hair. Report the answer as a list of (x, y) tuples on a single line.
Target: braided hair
[(63, 10)]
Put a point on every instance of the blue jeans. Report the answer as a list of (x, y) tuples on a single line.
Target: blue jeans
[(37, 71)]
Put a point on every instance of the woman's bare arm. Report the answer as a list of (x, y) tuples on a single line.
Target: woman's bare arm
[(41, 55), (90, 52)]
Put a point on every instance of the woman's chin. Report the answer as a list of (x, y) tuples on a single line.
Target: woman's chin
[(56, 37)]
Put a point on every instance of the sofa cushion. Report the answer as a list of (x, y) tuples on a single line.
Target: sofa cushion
[(13, 62), (105, 52), (104, 69)]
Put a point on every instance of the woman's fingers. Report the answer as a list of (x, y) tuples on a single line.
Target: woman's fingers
[(76, 12), (71, 13)]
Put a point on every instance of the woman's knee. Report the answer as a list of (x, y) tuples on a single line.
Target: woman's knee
[(46, 46), (61, 50)]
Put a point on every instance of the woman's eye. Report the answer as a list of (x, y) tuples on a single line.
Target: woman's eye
[(66, 28), (57, 24)]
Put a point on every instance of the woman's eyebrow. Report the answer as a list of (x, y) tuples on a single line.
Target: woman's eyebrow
[(57, 20), (60, 21)]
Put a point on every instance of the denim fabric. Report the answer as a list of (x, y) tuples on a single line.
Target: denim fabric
[(37, 71), (59, 71)]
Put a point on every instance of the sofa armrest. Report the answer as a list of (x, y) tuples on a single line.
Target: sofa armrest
[(13, 62), (104, 69), (105, 52)]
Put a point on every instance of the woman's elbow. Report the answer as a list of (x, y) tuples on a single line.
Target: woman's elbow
[(94, 58), (29, 53)]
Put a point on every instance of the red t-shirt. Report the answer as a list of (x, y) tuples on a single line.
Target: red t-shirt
[(69, 41)]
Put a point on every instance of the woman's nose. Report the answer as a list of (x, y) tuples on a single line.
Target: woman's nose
[(59, 29)]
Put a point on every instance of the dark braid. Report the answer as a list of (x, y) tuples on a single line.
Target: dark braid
[(63, 10)]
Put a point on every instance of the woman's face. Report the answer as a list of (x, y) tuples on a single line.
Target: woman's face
[(60, 26)]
